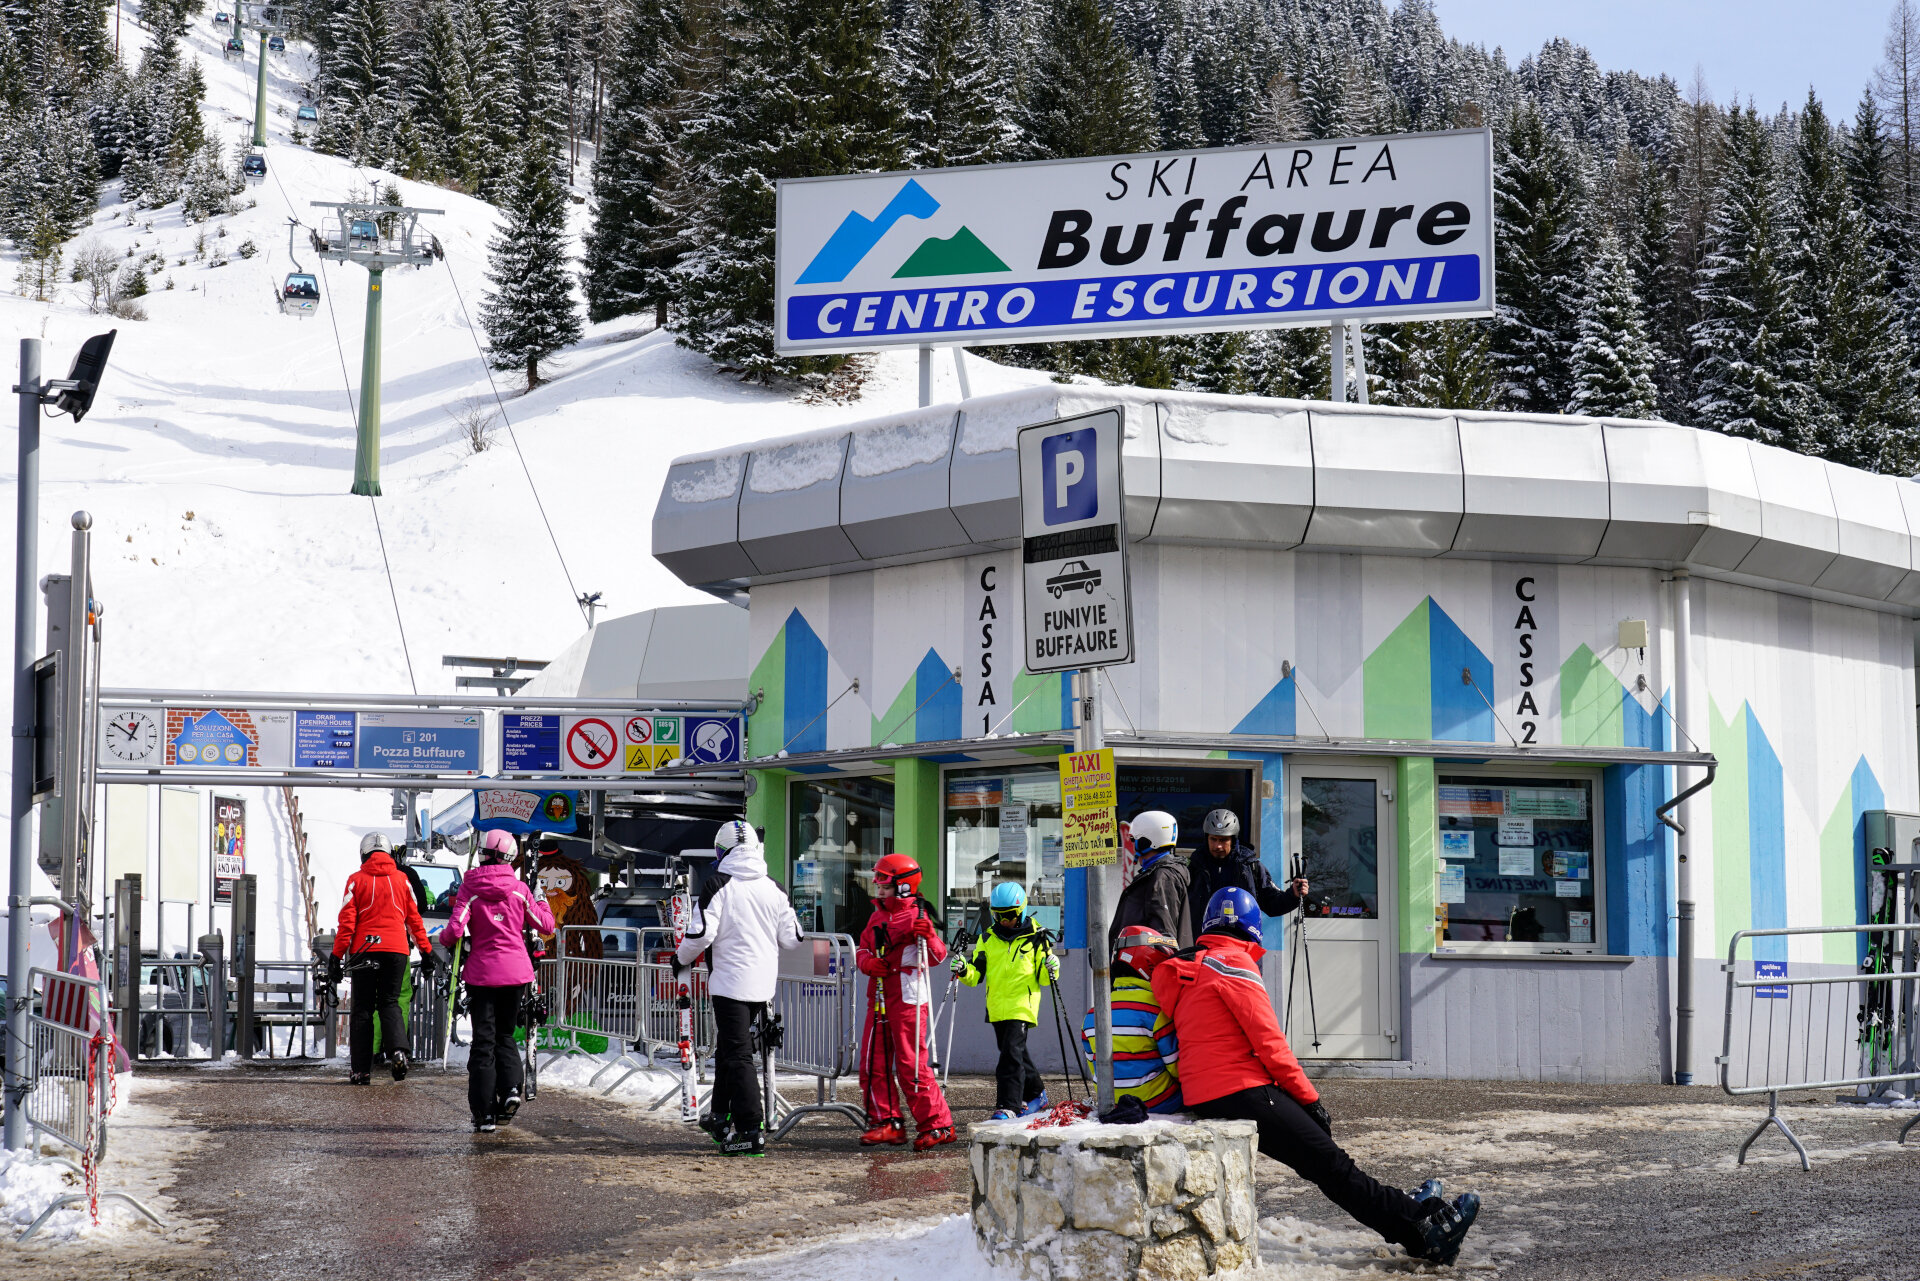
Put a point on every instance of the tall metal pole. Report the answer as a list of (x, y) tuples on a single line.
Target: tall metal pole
[(76, 801), (1683, 848), (1091, 736), (1359, 362), (26, 558), (260, 96), (926, 375), (1337, 349), (366, 454)]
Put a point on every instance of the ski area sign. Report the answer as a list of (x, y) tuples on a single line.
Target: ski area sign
[(1390, 228), (1079, 606)]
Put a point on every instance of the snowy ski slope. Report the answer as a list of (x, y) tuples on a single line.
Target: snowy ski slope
[(218, 455)]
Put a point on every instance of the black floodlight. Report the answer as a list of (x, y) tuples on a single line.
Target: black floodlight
[(89, 367)]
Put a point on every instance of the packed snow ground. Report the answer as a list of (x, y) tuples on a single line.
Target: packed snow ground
[(218, 455)]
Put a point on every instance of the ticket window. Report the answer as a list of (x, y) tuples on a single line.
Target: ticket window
[(1520, 863), (1003, 825), (841, 827)]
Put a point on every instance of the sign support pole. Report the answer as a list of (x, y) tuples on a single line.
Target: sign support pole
[(926, 375), (1337, 360), (1090, 736), (1359, 362), (26, 556)]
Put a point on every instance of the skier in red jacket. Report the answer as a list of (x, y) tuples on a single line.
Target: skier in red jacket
[(1235, 1063), (379, 925), (897, 951)]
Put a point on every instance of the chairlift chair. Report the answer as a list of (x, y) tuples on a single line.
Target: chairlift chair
[(306, 112), (277, 43), (254, 166), (220, 19), (300, 295), (362, 231), (235, 49)]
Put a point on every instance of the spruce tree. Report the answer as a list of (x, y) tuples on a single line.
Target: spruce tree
[(627, 258), (1751, 342), (953, 104), (1446, 364), (529, 311), (1085, 94), (1864, 411), (1662, 280), (360, 84), (804, 91), (1537, 199), (1613, 361)]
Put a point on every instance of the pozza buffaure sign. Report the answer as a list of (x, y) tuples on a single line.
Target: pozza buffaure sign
[(1390, 228)]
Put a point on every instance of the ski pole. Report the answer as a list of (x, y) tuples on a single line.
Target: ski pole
[(1306, 954)]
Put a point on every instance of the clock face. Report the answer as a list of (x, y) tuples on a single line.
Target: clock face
[(132, 736)]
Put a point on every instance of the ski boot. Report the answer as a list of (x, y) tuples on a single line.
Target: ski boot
[(360, 1078), (890, 1131), (484, 1126), (715, 1125), (1445, 1228), (1428, 1191), (1039, 1103), (735, 1142), (933, 1138), (399, 1064), (508, 1107), (1006, 1114)]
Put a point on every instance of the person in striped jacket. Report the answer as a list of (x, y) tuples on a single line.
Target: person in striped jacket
[(1146, 1053)]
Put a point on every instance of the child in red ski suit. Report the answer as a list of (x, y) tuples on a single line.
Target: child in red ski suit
[(897, 949)]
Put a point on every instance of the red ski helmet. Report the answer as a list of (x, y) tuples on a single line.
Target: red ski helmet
[(1142, 947), (897, 875)]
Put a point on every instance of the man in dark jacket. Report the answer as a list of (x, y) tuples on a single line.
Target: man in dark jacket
[(379, 925), (1157, 895), (1227, 864)]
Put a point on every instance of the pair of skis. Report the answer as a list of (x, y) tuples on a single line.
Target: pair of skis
[(682, 910)]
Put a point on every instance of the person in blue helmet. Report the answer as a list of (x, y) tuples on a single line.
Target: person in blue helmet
[(1016, 962), (1235, 1063)]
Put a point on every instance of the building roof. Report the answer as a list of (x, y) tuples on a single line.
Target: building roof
[(1246, 471), (675, 653)]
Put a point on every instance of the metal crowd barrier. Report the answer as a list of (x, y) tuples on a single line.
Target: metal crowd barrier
[(294, 1003), (631, 1001), (1809, 1037), (69, 1086)]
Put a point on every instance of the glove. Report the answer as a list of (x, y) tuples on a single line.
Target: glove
[(426, 966), (335, 971), (1053, 969), (960, 965), (1318, 1111)]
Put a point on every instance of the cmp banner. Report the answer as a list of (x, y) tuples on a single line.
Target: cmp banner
[(1390, 228)]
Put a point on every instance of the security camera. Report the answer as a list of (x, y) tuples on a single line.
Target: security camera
[(89, 367)]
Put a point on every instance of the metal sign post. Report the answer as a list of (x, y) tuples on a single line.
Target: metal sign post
[(26, 557), (1079, 618)]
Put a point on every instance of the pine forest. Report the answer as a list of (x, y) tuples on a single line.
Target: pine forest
[(1733, 265)]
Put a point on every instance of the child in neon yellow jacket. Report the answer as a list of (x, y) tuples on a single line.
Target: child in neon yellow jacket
[(1014, 959)]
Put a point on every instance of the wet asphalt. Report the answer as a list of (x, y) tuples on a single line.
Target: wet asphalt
[(302, 1176)]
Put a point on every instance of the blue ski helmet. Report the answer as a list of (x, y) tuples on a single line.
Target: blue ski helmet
[(1009, 897), (1233, 911)]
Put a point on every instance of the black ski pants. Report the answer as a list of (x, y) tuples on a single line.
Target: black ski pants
[(1291, 1137), (376, 987), (493, 1061), (1016, 1080), (736, 1078)]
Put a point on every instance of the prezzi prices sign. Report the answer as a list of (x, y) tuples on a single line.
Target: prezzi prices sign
[(1388, 228), (1073, 518), (1089, 809)]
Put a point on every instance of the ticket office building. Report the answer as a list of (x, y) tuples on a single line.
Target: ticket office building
[(1433, 654)]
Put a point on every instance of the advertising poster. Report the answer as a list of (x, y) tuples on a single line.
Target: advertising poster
[(1090, 825), (229, 845)]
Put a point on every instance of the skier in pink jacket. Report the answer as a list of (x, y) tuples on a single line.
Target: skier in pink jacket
[(492, 909)]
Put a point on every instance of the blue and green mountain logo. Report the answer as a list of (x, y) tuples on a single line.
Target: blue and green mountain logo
[(962, 253)]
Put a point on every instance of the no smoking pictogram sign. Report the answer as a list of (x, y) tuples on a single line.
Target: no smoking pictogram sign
[(639, 729), (590, 744)]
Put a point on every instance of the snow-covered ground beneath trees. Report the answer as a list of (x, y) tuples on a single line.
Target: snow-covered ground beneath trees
[(217, 459)]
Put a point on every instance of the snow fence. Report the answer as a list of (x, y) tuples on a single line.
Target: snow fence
[(1161, 1201)]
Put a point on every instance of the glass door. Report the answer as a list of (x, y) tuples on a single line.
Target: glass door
[(1342, 986)]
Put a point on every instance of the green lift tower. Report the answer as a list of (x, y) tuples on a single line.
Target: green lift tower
[(377, 237)]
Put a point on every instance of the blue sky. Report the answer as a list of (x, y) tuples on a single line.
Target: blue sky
[(1769, 50)]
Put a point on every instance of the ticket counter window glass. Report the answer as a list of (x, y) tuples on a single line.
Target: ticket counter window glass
[(1520, 863), (841, 828), (1003, 825)]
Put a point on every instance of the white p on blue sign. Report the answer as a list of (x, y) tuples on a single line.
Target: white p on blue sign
[(1298, 233), (1079, 606)]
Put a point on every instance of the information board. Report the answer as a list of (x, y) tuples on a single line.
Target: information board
[(323, 740), (1089, 809), (588, 744), (1074, 532), (418, 742)]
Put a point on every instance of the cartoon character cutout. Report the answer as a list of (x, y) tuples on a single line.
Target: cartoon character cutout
[(564, 884)]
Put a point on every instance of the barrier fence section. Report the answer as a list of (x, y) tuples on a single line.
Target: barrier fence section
[(1812, 1032), (70, 1081), (629, 1001)]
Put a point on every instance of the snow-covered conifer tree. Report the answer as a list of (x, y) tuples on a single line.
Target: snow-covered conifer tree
[(1537, 205), (1613, 361), (954, 107), (1085, 93), (529, 311)]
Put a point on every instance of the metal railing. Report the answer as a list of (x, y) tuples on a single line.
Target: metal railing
[(69, 1085), (1797, 1033), (175, 1009), (629, 1003)]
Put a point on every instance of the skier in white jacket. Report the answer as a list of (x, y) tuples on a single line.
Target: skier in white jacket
[(746, 919)]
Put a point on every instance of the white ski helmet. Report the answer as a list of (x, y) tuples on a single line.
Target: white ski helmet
[(1153, 831), (735, 834), (1221, 822), (374, 841)]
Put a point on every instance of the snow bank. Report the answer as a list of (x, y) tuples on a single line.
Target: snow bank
[(887, 1252)]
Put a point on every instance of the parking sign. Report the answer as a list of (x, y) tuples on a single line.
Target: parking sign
[(1073, 519)]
